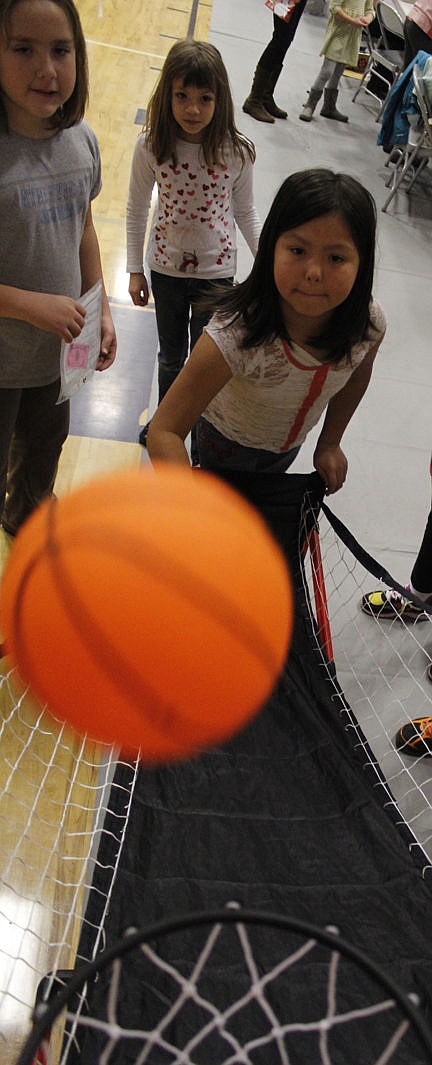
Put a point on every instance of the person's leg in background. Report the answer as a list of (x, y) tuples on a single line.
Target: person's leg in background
[(415, 737), (329, 109), (172, 308), (328, 80), (197, 289), (421, 576), (260, 102), (40, 429), (389, 603)]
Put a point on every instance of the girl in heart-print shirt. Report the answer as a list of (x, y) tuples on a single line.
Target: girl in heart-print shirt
[(202, 167)]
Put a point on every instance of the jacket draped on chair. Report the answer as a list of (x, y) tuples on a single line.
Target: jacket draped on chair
[(401, 103)]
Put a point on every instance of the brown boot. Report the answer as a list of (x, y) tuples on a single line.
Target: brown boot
[(268, 98), (254, 103)]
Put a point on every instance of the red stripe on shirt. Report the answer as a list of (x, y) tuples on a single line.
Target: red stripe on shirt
[(315, 389)]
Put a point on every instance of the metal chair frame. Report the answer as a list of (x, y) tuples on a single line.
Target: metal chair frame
[(381, 54), (413, 156)]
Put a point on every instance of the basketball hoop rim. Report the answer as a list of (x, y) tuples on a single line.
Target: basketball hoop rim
[(228, 916)]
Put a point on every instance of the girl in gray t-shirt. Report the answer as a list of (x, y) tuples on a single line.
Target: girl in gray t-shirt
[(49, 174)]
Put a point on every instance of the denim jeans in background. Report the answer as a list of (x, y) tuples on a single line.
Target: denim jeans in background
[(179, 323)]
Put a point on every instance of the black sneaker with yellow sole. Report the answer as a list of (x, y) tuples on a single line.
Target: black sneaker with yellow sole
[(389, 604)]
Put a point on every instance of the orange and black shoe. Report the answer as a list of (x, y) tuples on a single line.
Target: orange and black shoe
[(415, 737)]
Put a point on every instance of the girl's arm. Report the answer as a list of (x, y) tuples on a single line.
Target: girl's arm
[(142, 181), (244, 210), (91, 271), (60, 315), (363, 20), (203, 376), (329, 459)]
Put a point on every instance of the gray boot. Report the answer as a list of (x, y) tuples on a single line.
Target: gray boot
[(268, 100), (329, 109), (254, 103), (309, 107)]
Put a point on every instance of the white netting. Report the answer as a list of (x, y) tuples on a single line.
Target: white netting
[(54, 794), (55, 788), (285, 995), (381, 667)]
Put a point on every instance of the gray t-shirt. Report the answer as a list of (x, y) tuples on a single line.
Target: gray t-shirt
[(45, 190)]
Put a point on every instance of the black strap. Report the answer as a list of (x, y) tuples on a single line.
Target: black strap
[(370, 563)]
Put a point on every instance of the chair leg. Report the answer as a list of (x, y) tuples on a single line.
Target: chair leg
[(416, 174), (395, 157), (399, 174), (381, 110), (362, 79), (398, 162)]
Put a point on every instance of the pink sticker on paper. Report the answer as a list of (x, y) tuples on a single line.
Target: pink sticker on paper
[(77, 356)]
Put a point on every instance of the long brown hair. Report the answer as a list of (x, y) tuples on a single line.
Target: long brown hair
[(200, 64), (73, 110)]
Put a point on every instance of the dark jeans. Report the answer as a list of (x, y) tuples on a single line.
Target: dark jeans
[(217, 453), (416, 40), (283, 35), (179, 322), (33, 430)]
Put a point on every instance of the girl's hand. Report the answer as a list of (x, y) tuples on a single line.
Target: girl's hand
[(54, 314), (331, 463), (138, 289), (108, 346)]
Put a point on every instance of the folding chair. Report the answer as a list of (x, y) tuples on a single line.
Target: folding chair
[(381, 55), (411, 158)]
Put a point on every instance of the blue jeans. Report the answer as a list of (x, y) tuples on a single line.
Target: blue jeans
[(33, 429), (217, 453), (179, 322)]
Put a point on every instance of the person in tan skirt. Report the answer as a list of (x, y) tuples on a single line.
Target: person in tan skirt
[(340, 49)]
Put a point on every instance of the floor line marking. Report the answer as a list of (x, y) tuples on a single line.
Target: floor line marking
[(123, 48)]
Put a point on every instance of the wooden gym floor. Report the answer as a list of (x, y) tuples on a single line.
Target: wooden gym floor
[(126, 53), (127, 45)]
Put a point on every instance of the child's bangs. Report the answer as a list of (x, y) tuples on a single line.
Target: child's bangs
[(200, 74)]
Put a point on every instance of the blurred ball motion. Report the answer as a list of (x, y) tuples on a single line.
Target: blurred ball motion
[(149, 609)]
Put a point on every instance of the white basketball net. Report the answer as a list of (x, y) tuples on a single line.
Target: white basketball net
[(347, 1018)]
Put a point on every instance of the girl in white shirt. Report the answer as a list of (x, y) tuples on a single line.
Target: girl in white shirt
[(297, 337), (202, 167)]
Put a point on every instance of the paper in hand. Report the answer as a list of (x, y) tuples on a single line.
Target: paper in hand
[(78, 359)]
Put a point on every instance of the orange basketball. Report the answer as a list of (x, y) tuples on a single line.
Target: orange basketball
[(150, 610)]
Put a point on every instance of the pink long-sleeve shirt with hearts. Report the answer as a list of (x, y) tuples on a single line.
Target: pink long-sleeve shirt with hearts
[(193, 228)]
